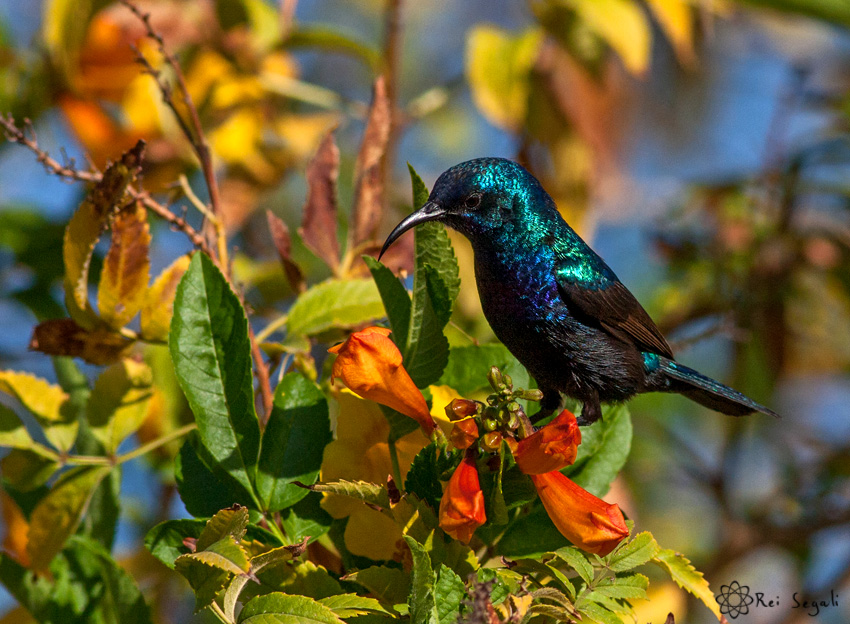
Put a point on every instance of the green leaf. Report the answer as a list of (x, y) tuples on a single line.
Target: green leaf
[(203, 491), (335, 304), (351, 605), (500, 589), (58, 514), (28, 469), (212, 360), (634, 553), (208, 571), (230, 522), (517, 488), (395, 298), (85, 585), (491, 485), (427, 351), (165, 540), (306, 518), (468, 366), (279, 608), (530, 536), (449, 592), (421, 603), (423, 478), (603, 452), (391, 585), (632, 587), (599, 614), (687, 577), (371, 493), (101, 519), (118, 404), (578, 561), (13, 434), (293, 442)]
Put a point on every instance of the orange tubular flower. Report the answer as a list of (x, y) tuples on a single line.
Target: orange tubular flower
[(587, 521), (553, 447), (462, 505), (370, 364)]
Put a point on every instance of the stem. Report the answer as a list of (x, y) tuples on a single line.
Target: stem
[(219, 613), (392, 57), (86, 460), (262, 373), (394, 461), (271, 328), (155, 444)]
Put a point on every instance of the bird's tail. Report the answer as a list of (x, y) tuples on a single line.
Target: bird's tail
[(708, 392)]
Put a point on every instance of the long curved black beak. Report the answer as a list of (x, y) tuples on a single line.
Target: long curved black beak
[(431, 211)]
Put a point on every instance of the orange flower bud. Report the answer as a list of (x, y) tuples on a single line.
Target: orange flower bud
[(461, 408), (587, 521), (369, 363), (551, 448), (462, 505), (464, 433)]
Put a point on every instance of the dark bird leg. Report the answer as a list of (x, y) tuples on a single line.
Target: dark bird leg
[(591, 411), (549, 404)]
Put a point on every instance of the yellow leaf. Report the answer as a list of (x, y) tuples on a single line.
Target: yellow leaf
[(159, 301), (118, 403), (58, 514), (498, 66), (675, 19), (237, 142), (622, 25), (27, 469), (126, 269), (43, 399)]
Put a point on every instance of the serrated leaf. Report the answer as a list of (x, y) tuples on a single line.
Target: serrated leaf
[(421, 603), (205, 578), (634, 553), (279, 608), (58, 514), (531, 535), (578, 561), (467, 368), (293, 442), (632, 587), (395, 298), (391, 585), (351, 605), (212, 361), (118, 404), (230, 522), (498, 68), (335, 304), (158, 305), (165, 540), (603, 452), (599, 614), (449, 591), (687, 577), (224, 554), (126, 268), (47, 402), (423, 477), (361, 490), (306, 518)]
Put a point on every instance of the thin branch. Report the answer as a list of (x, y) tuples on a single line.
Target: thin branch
[(67, 171), (392, 62)]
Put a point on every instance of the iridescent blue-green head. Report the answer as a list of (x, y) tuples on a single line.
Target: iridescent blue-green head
[(479, 196)]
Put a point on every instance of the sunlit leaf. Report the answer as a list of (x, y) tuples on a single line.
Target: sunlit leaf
[(335, 303), (227, 522), (119, 402), (449, 591), (47, 402), (319, 226), (208, 571), (688, 578), (368, 175), (158, 305), (279, 608), (126, 268), (361, 490), (677, 21), (212, 360), (634, 553), (59, 513), (498, 66), (390, 585)]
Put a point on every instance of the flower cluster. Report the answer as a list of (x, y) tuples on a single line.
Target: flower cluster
[(371, 365)]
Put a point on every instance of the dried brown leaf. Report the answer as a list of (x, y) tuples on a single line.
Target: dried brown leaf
[(319, 226), (126, 269), (369, 183), (64, 337), (283, 243)]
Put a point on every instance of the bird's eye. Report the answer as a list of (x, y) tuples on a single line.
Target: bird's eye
[(473, 201)]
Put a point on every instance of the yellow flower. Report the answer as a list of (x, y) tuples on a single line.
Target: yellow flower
[(370, 364), (360, 452)]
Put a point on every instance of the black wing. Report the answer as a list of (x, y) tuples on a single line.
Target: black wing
[(601, 298)]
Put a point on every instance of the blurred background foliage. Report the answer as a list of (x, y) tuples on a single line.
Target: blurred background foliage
[(702, 146)]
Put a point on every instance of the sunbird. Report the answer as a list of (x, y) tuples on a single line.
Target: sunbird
[(553, 302)]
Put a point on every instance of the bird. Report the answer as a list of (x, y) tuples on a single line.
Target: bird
[(553, 302)]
